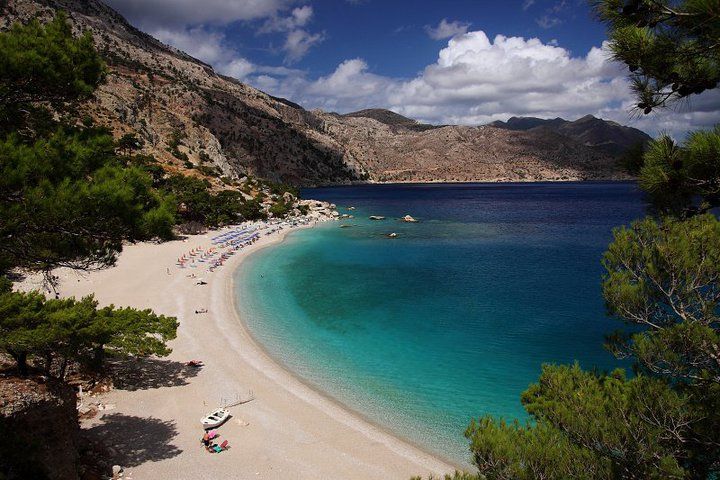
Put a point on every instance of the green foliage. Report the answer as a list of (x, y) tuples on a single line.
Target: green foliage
[(173, 147), (280, 209), (129, 143), (44, 64), (677, 176), (281, 188), (201, 205), (663, 276), (670, 46), (632, 159), (592, 426), (252, 210), (67, 200), (56, 332)]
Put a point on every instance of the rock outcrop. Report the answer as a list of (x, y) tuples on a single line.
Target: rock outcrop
[(39, 429)]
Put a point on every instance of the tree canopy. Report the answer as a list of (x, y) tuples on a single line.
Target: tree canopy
[(671, 47), (66, 198), (56, 332), (41, 65)]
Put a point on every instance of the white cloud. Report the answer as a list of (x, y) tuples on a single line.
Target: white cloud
[(527, 4), (446, 29), (548, 21), (299, 17), (299, 42), (210, 47), (476, 80)]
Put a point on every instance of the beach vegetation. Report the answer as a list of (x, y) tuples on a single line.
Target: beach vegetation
[(208, 208), (280, 208), (54, 334)]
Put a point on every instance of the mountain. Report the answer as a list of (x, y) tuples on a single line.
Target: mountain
[(606, 136), (187, 114), (526, 123), (391, 118), (198, 122)]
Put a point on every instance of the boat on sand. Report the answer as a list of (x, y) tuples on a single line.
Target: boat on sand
[(215, 419)]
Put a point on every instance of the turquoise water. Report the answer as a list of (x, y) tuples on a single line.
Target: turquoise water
[(453, 318)]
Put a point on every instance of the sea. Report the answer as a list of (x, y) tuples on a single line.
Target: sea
[(451, 318)]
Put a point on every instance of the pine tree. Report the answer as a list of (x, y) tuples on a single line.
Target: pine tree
[(672, 48)]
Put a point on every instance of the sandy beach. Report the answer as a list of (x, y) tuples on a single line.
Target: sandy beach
[(287, 431)]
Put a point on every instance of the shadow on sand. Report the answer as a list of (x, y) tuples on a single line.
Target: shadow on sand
[(146, 373), (131, 441)]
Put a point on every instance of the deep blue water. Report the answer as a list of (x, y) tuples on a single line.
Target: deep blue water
[(453, 318)]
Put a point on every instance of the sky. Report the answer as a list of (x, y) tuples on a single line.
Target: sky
[(438, 61)]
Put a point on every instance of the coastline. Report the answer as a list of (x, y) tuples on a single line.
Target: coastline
[(289, 427), (316, 395)]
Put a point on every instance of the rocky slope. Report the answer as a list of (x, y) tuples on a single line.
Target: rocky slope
[(395, 149), (181, 108), (195, 120), (40, 433)]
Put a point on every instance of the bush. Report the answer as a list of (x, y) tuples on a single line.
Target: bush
[(280, 209)]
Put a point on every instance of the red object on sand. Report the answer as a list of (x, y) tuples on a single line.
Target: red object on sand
[(224, 445)]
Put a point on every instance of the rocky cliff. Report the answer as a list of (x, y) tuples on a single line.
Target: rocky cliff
[(193, 119), (39, 429)]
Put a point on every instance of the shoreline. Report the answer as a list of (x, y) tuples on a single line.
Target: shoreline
[(341, 408), (290, 428), (476, 182)]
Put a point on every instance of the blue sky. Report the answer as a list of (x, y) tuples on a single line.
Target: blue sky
[(391, 35), (454, 61)]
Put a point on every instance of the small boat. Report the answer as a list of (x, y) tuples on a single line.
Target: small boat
[(376, 217), (215, 419), (392, 235)]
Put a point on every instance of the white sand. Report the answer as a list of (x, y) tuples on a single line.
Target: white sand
[(288, 430)]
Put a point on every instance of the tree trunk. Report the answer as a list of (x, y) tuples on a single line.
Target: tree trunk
[(98, 357), (21, 360), (48, 363), (63, 368)]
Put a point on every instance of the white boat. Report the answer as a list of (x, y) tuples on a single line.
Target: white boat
[(215, 419)]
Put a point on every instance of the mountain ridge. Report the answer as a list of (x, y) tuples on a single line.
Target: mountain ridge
[(593, 132)]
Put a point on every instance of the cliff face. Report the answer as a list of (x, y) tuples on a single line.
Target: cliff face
[(189, 116), (39, 430)]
